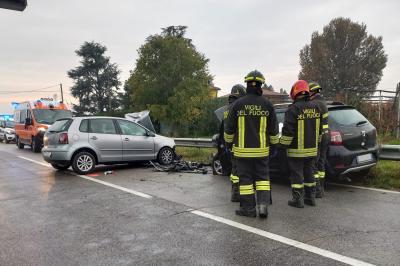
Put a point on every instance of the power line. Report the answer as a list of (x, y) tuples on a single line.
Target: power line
[(41, 89)]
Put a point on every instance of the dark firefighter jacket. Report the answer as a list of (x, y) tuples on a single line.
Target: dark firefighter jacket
[(301, 129), (251, 127), (319, 100)]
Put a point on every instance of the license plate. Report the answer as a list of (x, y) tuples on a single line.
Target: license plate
[(47, 154), (364, 158)]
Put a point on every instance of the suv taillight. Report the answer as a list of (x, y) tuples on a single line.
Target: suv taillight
[(63, 138), (336, 138)]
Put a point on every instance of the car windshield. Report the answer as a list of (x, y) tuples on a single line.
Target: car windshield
[(346, 117), (49, 116), (10, 124)]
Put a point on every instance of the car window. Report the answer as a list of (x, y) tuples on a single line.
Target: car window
[(129, 128), (84, 126), (280, 116), (102, 126), (60, 125), (346, 117)]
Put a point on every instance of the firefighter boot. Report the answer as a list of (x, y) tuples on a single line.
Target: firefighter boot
[(298, 198), (320, 189), (263, 211), (235, 196), (246, 211), (309, 197)]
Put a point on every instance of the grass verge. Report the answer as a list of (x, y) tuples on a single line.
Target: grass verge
[(386, 174), (202, 155)]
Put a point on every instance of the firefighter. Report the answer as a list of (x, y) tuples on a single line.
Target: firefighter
[(300, 135), (319, 168), (251, 127), (237, 91)]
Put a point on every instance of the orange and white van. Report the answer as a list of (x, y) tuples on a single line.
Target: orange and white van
[(32, 118)]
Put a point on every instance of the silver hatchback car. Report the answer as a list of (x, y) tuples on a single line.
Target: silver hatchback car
[(83, 142)]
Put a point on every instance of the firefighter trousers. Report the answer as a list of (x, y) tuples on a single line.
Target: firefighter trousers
[(234, 174), (319, 169), (301, 172), (253, 174)]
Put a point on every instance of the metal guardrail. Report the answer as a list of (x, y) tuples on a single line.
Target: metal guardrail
[(189, 142), (389, 152), (386, 152)]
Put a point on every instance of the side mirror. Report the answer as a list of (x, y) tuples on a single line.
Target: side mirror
[(28, 121), (150, 134)]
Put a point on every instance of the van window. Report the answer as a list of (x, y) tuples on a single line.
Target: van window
[(84, 126), (102, 126), (22, 117), (49, 116)]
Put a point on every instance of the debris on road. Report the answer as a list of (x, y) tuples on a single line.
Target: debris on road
[(108, 172), (182, 167)]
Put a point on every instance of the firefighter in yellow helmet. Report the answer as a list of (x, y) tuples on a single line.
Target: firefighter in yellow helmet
[(251, 127), (319, 170), (300, 135)]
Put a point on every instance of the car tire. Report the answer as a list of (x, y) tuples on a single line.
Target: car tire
[(217, 167), (19, 144), (60, 166), (35, 145), (166, 156), (83, 163)]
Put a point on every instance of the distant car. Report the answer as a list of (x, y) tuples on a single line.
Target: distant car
[(7, 131), (353, 147), (84, 142)]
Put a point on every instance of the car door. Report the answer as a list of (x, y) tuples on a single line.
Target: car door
[(104, 138), (136, 143)]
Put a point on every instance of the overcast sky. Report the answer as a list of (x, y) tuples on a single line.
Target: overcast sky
[(37, 46)]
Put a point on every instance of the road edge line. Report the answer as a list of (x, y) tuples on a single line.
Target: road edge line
[(365, 188), (134, 192), (287, 241)]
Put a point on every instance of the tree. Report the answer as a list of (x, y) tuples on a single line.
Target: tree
[(96, 80), (171, 78), (343, 56)]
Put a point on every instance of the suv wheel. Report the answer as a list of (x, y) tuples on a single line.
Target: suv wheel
[(83, 163), (35, 145), (166, 156), (217, 167), (60, 166), (19, 144)]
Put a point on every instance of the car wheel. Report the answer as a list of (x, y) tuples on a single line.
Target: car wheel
[(35, 145), (84, 163), (166, 156), (19, 144), (60, 166), (217, 167)]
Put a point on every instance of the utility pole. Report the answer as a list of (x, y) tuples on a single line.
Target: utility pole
[(62, 94)]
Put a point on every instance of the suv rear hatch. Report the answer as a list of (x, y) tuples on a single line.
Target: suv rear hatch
[(356, 131)]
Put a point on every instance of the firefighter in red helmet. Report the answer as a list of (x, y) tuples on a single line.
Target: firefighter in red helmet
[(301, 134)]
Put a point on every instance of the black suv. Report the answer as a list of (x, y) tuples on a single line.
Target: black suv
[(353, 147)]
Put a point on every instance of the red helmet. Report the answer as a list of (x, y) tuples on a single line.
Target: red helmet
[(299, 87)]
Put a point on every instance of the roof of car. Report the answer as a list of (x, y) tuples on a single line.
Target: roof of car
[(331, 105)]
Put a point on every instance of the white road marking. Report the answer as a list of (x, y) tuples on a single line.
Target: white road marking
[(137, 193), (134, 192), (290, 242), (366, 188), (34, 161)]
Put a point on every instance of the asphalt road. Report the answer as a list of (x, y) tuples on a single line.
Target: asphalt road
[(140, 217)]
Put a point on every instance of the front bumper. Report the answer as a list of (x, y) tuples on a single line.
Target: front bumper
[(10, 137)]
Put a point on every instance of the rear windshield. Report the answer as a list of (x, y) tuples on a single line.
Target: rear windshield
[(60, 125), (346, 117), (280, 116), (48, 116)]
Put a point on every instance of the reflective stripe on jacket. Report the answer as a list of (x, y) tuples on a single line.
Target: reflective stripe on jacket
[(302, 129), (251, 126)]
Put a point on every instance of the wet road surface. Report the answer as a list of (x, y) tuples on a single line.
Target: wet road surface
[(50, 217)]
